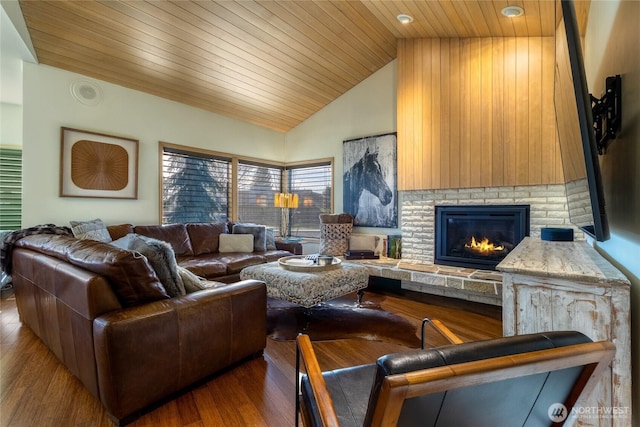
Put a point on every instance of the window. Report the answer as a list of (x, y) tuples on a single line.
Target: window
[(257, 186), (313, 185), (195, 187), (203, 186), (10, 189)]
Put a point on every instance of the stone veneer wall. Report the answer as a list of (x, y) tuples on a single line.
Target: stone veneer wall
[(548, 209)]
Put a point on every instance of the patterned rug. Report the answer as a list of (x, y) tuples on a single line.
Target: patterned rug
[(340, 318)]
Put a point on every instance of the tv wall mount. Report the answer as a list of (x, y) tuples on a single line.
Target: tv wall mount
[(607, 113)]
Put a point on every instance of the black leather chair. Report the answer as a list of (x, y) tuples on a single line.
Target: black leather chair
[(510, 381)]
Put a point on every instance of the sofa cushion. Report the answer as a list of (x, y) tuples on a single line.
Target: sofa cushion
[(204, 236), (120, 230), (53, 245), (93, 230), (270, 256), (131, 276), (259, 233), (236, 243), (174, 234), (235, 262), (207, 265), (161, 257)]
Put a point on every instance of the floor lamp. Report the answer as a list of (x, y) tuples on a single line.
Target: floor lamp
[(285, 201)]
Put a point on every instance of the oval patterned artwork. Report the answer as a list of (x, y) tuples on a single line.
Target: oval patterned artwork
[(99, 166)]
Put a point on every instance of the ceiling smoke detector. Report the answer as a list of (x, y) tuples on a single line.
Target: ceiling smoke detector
[(512, 11), (404, 18)]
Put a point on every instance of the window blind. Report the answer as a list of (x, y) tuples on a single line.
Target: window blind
[(313, 184), (195, 187), (10, 189), (257, 185)]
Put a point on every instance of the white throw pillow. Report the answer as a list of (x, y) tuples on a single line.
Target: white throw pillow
[(90, 230), (236, 243), (193, 283)]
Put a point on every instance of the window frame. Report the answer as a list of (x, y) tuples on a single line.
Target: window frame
[(274, 214), (235, 160), (310, 164), (221, 160)]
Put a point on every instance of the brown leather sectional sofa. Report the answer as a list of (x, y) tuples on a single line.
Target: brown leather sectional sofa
[(106, 316), (196, 248)]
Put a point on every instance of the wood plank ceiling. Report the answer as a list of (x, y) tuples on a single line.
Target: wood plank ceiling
[(270, 63)]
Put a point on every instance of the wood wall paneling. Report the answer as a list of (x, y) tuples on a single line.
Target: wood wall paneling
[(476, 112)]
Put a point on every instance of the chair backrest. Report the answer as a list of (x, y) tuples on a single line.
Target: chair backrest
[(511, 381), (335, 230)]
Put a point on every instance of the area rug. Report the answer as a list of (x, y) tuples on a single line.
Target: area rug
[(340, 318)]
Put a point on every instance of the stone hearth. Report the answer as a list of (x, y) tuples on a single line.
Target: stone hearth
[(455, 282)]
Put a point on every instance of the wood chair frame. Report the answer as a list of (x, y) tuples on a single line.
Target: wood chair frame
[(594, 356)]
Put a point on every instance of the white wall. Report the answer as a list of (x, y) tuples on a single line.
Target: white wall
[(13, 51), (10, 125), (611, 47), (367, 109), (48, 105)]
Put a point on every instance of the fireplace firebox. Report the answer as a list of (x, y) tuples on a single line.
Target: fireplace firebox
[(478, 236)]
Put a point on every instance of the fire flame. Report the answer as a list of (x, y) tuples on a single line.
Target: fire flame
[(483, 245)]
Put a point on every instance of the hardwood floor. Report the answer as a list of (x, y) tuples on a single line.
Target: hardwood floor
[(36, 390)]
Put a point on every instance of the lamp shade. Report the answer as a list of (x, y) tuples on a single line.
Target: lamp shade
[(285, 200)]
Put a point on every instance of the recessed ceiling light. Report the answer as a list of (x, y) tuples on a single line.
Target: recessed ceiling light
[(512, 11), (404, 18)]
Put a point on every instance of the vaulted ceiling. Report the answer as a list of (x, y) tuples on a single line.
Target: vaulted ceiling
[(271, 63)]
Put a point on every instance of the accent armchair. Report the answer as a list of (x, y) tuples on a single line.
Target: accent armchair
[(335, 230), (523, 380)]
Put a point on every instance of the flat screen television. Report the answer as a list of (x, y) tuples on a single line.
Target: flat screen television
[(578, 148)]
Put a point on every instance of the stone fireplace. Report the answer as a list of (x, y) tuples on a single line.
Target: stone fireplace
[(478, 236), (548, 208), (417, 270)]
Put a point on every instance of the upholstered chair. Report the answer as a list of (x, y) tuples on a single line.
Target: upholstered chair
[(335, 230), (522, 380)]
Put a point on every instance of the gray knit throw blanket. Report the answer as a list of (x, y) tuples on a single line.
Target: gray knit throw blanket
[(10, 240)]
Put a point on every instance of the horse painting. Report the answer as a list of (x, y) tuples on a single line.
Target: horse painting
[(366, 192)]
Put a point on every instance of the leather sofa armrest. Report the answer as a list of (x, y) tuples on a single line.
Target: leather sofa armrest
[(293, 247), (148, 352)]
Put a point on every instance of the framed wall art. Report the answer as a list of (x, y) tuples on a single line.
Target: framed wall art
[(98, 165), (369, 180)]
